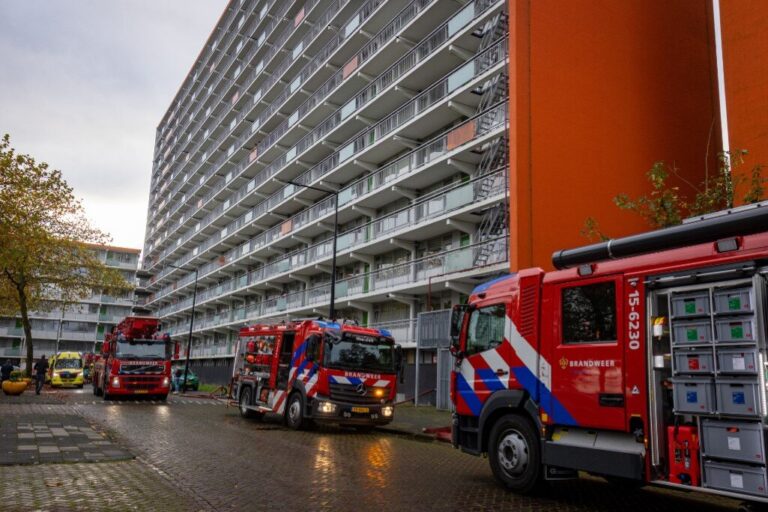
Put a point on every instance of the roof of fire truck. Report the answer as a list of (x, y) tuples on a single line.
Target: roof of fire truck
[(722, 238), (254, 329)]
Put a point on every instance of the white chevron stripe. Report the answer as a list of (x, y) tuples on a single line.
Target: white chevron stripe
[(382, 383), (495, 362), (532, 360)]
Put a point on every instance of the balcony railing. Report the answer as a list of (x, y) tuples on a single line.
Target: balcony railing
[(475, 192), (383, 280), (365, 11), (427, 99), (442, 145), (438, 92), (273, 51)]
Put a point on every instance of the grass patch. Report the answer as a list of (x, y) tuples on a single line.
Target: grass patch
[(208, 388)]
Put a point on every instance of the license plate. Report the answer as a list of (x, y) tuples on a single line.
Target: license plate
[(139, 391), (363, 410)]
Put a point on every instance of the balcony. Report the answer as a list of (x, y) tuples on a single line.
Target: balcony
[(452, 28), (413, 277), (382, 139), (398, 173)]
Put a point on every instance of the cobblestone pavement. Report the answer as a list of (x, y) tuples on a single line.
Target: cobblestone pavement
[(52, 437), (225, 462), (109, 486)]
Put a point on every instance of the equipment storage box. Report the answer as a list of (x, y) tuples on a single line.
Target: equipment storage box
[(698, 331), (735, 300), (738, 396), (737, 360), (690, 304), (694, 395), (735, 330), (735, 478), (734, 440), (696, 361)]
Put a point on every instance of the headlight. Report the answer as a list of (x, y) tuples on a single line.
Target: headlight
[(387, 411), (326, 407), (166, 381), (115, 382)]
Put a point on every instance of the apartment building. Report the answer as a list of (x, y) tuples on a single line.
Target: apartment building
[(397, 109), (75, 327)]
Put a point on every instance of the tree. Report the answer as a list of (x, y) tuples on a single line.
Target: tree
[(666, 206), (47, 258)]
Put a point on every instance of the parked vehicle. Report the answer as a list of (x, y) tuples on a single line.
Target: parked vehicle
[(135, 360), (177, 374), (641, 359), (319, 371), (66, 370)]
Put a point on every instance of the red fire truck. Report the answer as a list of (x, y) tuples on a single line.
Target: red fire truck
[(314, 370), (135, 360), (641, 359)]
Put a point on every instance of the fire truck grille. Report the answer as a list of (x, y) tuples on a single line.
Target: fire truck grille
[(141, 382), (348, 393)]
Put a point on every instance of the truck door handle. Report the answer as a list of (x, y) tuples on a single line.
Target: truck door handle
[(611, 400), (501, 372)]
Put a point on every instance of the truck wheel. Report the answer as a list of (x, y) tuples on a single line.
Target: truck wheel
[(294, 413), (245, 400), (514, 454)]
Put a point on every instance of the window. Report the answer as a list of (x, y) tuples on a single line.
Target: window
[(589, 313), (486, 329)]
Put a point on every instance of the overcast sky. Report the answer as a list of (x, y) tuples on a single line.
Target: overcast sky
[(83, 85)]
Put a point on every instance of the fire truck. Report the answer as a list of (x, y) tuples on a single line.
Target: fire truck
[(317, 371), (640, 359), (135, 360)]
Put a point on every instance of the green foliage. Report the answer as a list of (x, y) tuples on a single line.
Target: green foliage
[(663, 207), (47, 258), (666, 206), (591, 231), (16, 375)]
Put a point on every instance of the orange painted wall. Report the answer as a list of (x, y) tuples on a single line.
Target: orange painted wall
[(599, 91), (745, 62)]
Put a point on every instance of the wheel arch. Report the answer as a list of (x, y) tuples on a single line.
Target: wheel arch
[(500, 404)]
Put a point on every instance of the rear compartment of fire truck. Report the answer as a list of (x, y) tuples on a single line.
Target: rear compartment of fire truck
[(707, 380)]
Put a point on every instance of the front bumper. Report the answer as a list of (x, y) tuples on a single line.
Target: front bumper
[(132, 385), (352, 414), (59, 381)]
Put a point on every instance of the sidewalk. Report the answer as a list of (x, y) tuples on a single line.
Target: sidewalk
[(413, 421), (40, 428)]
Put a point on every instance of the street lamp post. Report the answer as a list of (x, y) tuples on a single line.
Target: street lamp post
[(191, 325), (332, 308)]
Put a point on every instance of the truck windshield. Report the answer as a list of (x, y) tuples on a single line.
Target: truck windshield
[(64, 364), (142, 349), (350, 353)]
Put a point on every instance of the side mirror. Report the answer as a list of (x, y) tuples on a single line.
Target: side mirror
[(457, 319), (176, 350)]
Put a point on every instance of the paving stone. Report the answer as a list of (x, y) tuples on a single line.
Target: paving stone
[(27, 447), (49, 449)]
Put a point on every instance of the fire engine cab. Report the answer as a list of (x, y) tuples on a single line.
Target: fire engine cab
[(640, 359), (314, 370)]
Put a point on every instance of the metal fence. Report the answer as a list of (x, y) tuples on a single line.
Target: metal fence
[(433, 332)]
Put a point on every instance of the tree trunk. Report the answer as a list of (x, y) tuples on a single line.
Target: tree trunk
[(27, 328)]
